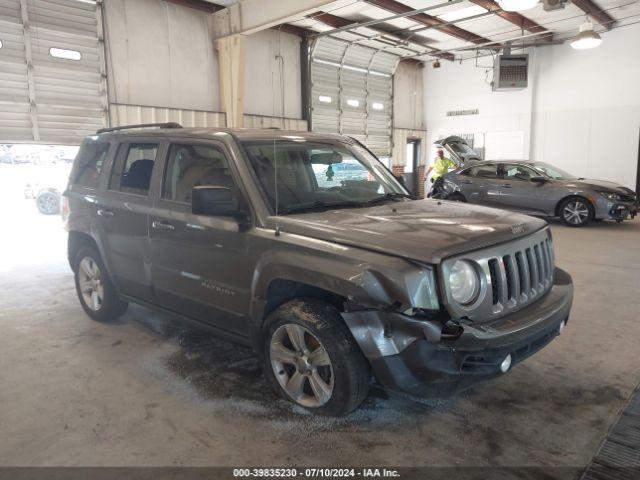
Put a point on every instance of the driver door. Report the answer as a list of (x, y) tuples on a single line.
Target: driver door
[(200, 265)]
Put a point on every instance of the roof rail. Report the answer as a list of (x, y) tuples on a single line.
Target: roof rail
[(142, 125)]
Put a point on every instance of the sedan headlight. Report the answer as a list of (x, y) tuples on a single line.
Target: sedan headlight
[(611, 196), (464, 282)]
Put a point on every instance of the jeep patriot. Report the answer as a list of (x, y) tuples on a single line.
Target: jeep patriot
[(306, 248)]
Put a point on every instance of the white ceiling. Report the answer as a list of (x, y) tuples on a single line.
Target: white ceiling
[(563, 23)]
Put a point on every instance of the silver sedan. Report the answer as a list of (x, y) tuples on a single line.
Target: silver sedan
[(540, 189)]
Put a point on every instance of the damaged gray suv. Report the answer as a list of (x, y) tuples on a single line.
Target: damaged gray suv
[(337, 282)]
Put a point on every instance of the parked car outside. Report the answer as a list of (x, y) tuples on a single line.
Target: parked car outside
[(538, 188), (331, 285), (46, 185)]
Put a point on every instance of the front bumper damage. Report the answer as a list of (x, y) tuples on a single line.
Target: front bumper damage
[(427, 358), (622, 211)]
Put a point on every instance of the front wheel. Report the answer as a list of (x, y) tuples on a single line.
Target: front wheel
[(312, 360), (576, 212)]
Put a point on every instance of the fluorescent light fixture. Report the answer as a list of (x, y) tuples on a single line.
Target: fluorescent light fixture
[(377, 106), (586, 38), (65, 54), (517, 5), (461, 13), (352, 102), (324, 99)]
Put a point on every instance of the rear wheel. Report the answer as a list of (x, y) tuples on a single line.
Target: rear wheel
[(95, 291), (312, 360), (48, 203), (576, 212)]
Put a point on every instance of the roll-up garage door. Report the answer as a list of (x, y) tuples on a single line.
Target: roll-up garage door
[(52, 76), (352, 92)]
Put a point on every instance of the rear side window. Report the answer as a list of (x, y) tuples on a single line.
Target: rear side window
[(133, 168), (88, 164), (483, 171), (194, 165)]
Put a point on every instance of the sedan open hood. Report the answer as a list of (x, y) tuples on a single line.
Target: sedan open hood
[(422, 230)]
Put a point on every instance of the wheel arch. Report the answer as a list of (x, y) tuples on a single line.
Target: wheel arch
[(75, 242)]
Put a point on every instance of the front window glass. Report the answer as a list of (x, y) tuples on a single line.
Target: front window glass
[(314, 175), (554, 172), (189, 166)]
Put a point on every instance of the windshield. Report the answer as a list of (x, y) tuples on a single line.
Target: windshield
[(554, 172), (313, 175)]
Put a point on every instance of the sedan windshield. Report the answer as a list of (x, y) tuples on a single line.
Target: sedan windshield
[(301, 176), (553, 172)]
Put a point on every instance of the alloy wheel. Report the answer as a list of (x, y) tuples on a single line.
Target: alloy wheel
[(90, 279), (301, 365), (48, 204), (575, 212)]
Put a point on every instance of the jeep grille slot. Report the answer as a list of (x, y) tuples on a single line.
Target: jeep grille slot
[(516, 274)]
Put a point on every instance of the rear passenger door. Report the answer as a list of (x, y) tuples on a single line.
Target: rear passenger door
[(200, 265), (122, 215), (480, 184)]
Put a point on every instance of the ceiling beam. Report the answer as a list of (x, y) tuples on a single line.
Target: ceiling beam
[(430, 21), (340, 22), (200, 5), (251, 16), (514, 17), (595, 12)]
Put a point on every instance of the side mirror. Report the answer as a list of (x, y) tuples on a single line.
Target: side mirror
[(400, 178), (214, 201), (538, 179)]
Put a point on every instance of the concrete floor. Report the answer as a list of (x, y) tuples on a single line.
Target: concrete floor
[(146, 392)]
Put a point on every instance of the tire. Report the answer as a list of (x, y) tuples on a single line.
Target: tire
[(331, 377), (48, 203), (576, 211), (95, 290), (457, 197)]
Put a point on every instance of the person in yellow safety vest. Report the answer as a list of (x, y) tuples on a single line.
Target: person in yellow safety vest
[(441, 165)]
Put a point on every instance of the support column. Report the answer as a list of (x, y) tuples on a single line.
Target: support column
[(421, 179), (231, 69)]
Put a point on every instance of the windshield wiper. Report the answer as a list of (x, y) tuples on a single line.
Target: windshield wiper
[(318, 205), (388, 196)]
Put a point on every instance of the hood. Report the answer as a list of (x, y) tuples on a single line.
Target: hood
[(422, 230), (598, 185)]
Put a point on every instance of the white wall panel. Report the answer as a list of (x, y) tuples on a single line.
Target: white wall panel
[(272, 69), (160, 54)]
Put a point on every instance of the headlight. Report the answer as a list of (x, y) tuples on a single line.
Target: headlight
[(464, 282), (610, 195)]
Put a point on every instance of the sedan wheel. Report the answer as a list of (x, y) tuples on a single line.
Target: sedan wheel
[(301, 365), (575, 212)]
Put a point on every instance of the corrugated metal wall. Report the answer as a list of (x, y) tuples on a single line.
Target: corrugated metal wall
[(121, 114), (48, 99), (352, 92)]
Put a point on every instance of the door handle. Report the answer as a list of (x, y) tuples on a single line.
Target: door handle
[(162, 225), (105, 213), (506, 185)]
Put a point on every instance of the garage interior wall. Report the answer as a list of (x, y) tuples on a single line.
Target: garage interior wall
[(161, 64), (581, 111), (408, 113)]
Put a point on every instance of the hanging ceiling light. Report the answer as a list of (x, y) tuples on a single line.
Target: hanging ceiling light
[(517, 5), (586, 37)]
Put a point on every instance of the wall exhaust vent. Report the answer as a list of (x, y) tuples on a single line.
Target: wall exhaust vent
[(510, 72)]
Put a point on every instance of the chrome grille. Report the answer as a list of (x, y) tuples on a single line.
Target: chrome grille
[(512, 275)]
